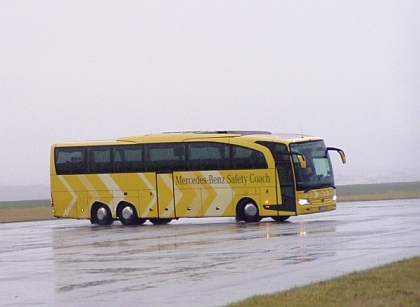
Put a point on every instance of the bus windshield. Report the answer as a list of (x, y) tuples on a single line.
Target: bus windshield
[(318, 172)]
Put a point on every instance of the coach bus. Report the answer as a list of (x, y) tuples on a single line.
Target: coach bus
[(248, 175)]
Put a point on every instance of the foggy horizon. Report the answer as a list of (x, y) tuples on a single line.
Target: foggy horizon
[(347, 72)]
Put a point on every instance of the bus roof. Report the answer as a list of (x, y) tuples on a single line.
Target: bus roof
[(250, 136), (285, 138)]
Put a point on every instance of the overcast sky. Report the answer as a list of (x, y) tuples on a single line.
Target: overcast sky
[(348, 71)]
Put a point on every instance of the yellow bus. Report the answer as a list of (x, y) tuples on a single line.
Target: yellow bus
[(248, 175)]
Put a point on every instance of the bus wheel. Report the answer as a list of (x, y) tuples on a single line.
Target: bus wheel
[(127, 215), (280, 218), (103, 215), (160, 221), (247, 211)]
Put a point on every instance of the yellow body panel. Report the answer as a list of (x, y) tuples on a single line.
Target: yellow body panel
[(320, 200), (181, 194), (74, 195), (186, 193), (166, 196)]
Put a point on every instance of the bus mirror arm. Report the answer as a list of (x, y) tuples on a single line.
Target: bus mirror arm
[(302, 160), (340, 152), (300, 157)]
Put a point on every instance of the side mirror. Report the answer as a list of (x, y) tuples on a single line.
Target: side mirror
[(301, 158), (340, 152)]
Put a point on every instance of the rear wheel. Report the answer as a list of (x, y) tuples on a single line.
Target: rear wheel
[(280, 218), (247, 211), (128, 215), (158, 221), (102, 215)]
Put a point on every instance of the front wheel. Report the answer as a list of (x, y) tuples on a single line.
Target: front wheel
[(247, 211)]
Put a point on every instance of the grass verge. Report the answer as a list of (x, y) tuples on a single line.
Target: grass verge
[(25, 210), (34, 213), (379, 191), (393, 285)]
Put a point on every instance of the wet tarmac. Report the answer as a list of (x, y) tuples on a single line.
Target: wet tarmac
[(197, 262)]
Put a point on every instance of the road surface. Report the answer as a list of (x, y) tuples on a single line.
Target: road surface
[(197, 262)]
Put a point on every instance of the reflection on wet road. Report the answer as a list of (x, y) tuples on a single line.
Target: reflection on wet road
[(197, 262)]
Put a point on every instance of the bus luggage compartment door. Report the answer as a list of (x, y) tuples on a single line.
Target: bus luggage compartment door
[(165, 191)]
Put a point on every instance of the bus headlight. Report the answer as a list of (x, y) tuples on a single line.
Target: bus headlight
[(334, 197), (304, 202)]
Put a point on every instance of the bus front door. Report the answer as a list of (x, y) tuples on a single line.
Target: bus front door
[(287, 189)]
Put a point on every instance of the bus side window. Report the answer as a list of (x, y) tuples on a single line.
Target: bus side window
[(165, 158), (204, 156), (99, 159), (245, 158), (117, 159), (128, 159), (70, 160)]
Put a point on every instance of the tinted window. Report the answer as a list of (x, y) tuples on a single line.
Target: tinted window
[(318, 172), (128, 159), (99, 159), (165, 157), (278, 150), (208, 156), (156, 158), (246, 158), (70, 160)]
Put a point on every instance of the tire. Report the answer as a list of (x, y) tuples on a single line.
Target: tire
[(280, 218), (247, 211), (158, 221), (102, 215), (127, 215)]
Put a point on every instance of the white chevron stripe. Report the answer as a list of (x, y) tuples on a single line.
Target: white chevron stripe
[(147, 182), (71, 191), (222, 199), (89, 187), (117, 193), (150, 187), (167, 179)]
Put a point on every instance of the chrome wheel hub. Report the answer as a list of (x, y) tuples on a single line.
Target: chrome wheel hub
[(127, 213), (250, 210), (101, 214)]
